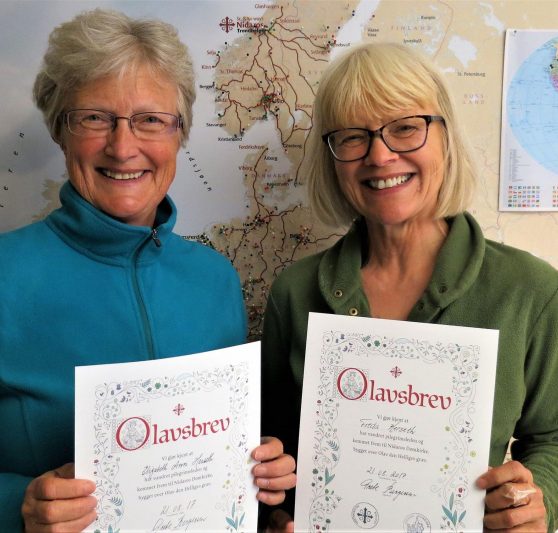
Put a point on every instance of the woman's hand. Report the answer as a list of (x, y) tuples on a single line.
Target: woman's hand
[(513, 502), (275, 473), (57, 502)]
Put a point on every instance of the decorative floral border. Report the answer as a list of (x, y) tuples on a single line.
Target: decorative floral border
[(452, 482), (108, 406)]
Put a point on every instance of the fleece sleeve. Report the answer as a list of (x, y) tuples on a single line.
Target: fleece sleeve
[(537, 430)]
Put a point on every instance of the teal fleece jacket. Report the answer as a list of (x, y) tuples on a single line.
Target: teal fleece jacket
[(476, 283), (80, 288)]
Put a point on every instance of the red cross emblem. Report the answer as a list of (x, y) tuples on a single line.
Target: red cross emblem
[(179, 409), (227, 24)]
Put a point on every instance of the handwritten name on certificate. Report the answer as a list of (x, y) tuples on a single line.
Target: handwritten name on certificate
[(395, 426), (168, 441)]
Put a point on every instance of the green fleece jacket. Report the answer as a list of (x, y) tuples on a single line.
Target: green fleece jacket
[(476, 283)]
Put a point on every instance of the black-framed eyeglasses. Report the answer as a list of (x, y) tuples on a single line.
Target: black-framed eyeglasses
[(148, 125), (402, 135)]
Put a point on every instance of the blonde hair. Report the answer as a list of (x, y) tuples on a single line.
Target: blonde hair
[(103, 42), (379, 80)]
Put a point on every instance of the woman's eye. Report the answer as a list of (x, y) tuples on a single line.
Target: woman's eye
[(150, 119), (403, 129), (353, 139), (95, 118)]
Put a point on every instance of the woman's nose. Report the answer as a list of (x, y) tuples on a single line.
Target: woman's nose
[(122, 144), (379, 154)]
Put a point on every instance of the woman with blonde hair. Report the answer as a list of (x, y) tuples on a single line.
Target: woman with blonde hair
[(387, 157)]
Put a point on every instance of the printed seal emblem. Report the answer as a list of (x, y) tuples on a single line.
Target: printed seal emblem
[(416, 523), (365, 515)]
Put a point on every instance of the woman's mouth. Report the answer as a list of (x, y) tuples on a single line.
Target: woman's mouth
[(389, 182), (121, 175)]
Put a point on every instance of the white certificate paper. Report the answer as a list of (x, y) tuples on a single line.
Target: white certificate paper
[(395, 426), (168, 441)]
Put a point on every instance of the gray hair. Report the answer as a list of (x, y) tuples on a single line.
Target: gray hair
[(380, 80), (102, 43)]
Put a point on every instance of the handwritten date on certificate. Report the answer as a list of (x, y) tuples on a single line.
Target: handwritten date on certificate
[(177, 517)]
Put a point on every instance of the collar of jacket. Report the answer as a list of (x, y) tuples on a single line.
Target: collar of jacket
[(457, 268), (102, 238)]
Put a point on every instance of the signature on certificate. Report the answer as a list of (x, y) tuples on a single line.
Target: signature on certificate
[(175, 517), (385, 482)]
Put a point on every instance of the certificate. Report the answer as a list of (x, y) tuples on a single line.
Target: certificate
[(395, 426), (168, 441)]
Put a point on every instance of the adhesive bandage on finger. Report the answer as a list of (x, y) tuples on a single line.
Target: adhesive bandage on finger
[(516, 495)]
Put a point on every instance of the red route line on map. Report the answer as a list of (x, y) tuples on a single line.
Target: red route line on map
[(276, 84), (273, 89), (265, 217), (259, 57)]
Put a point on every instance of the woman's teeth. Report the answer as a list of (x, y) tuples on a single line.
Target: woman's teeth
[(390, 182), (122, 175)]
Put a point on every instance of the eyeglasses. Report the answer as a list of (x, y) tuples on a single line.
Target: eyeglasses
[(403, 135), (95, 123)]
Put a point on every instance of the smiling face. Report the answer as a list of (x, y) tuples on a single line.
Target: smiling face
[(388, 188), (123, 176)]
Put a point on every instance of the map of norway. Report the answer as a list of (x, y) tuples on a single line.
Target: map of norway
[(263, 81), (270, 74)]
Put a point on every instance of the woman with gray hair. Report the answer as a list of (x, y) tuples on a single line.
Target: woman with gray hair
[(386, 155), (104, 279)]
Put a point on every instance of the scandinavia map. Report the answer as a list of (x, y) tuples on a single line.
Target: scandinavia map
[(239, 186)]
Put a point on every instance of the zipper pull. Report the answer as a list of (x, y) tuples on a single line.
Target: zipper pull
[(155, 237)]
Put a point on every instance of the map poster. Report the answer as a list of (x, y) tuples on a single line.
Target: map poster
[(529, 142), (240, 185), (168, 441), (395, 425)]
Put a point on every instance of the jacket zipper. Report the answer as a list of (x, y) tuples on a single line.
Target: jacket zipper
[(155, 237), (139, 298)]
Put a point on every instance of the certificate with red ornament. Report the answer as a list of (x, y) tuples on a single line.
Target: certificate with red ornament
[(395, 425), (168, 441)]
